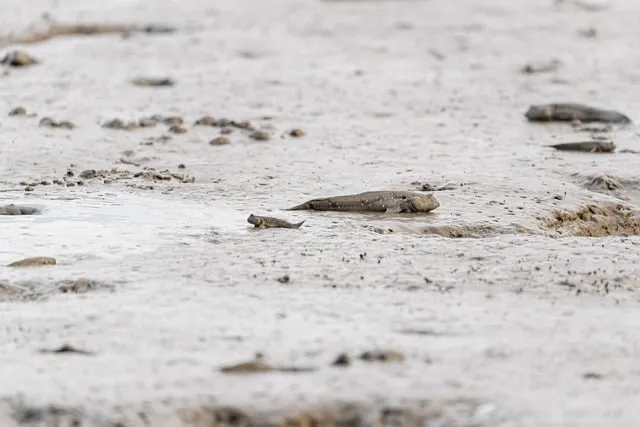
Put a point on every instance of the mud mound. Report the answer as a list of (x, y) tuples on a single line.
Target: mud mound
[(35, 290), (610, 185), (473, 231), (596, 221)]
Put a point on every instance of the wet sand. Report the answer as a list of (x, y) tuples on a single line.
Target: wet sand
[(506, 313)]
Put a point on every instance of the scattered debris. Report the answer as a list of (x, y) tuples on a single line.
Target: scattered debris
[(49, 122), (177, 129), (382, 356), (18, 111), (541, 67), (342, 359), (260, 136), (221, 140), (120, 125), (169, 120), (270, 222), (206, 121), (33, 262), (81, 286), (67, 349), (18, 58), (420, 186), (59, 30), (297, 133), (153, 82), (284, 279), (259, 366), (586, 147), (12, 209), (588, 33), (592, 376)]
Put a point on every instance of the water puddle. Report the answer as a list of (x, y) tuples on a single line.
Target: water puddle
[(109, 225)]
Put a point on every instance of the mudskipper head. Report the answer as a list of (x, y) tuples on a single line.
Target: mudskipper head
[(423, 202), (257, 221), (539, 113)]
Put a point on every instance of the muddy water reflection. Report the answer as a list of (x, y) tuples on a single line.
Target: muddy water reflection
[(111, 226)]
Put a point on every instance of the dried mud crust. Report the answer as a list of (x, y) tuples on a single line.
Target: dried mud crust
[(438, 412), (34, 290), (476, 231), (445, 413), (596, 221), (75, 177)]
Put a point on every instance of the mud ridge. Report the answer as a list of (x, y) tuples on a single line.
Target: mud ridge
[(608, 184), (607, 219), (34, 290)]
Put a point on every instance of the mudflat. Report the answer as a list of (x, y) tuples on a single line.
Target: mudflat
[(144, 147)]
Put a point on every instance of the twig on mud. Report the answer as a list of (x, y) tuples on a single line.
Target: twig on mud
[(59, 30)]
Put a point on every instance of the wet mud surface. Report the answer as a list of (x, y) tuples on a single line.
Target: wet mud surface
[(138, 137)]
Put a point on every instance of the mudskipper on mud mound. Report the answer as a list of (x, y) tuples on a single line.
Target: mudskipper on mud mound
[(270, 222), (374, 201)]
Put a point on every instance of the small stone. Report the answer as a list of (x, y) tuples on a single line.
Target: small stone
[(18, 58), (297, 133), (177, 129), (120, 125), (147, 123), (153, 82), (66, 125), (382, 356), (173, 120), (181, 166), (221, 140), (226, 131), (18, 111), (206, 121), (46, 121), (88, 174), (343, 359), (49, 122), (32, 262), (29, 188), (260, 135), (246, 125), (284, 279)]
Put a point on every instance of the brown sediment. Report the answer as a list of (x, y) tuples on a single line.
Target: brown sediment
[(441, 412), (37, 290), (60, 30), (33, 262), (476, 231), (606, 219)]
